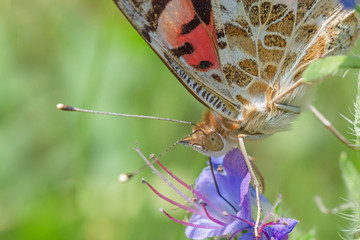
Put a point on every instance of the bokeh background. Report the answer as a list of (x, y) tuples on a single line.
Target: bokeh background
[(59, 170)]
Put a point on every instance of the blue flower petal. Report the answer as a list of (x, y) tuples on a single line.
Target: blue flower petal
[(244, 187), (229, 181), (281, 231), (201, 233), (247, 236), (245, 211), (235, 164), (205, 185), (234, 184), (217, 160), (348, 3), (232, 227)]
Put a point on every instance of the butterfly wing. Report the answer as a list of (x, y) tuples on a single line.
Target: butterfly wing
[(182, 33), (265, 45), (236, 54)]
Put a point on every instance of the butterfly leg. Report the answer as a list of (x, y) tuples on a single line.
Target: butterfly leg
[(328, 125), (288, 108), (255, 181)]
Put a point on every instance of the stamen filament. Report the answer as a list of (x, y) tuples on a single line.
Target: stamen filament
[(173, 175), (267, 235), (272, 223), (243, 220), (187, 223), (236, 232), (271, 211), (186, 198), (170, 200), (199, 195), (211, 218)]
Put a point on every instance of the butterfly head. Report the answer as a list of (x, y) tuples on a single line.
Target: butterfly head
[(211, 144), (210, 136)]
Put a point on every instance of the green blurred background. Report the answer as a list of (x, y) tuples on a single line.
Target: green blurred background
[(59, 170)]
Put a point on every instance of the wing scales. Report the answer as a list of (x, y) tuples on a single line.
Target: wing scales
[(232, 54), (268, 43), (161, 24)]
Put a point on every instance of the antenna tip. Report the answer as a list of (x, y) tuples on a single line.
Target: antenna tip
[(64, 107), (123, 178)]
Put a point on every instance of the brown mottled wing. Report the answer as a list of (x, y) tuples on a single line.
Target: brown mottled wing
[(182, 33), (265, 45)]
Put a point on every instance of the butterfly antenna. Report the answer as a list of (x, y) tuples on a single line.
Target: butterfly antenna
[(64, 107), (125, 177)]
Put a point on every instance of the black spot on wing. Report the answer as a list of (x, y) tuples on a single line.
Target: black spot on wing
[(216, 77), (158, 6), (204, 65), (203, 10), (188, 27), (222, 44), (187, 48), (145, 33), (220, 33), (203, 14), (224, 9)]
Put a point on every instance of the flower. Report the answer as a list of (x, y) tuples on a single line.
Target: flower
[(348, 3), (229, 214)]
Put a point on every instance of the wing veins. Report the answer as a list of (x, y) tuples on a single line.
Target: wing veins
[(155, 44), (310, 44), (298, 69), (292, 38), (217, 3)]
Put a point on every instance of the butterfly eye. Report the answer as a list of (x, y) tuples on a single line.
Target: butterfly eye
[(214, 142)]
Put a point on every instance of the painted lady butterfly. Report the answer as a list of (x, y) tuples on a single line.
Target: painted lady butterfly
[(242, 58)]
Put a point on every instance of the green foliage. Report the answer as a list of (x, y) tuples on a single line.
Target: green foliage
[(320, 69), (357, 8), (58, 170), (351, 178), (310, 235), (326, 66)]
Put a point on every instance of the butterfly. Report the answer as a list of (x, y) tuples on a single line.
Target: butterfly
[(243, 59)]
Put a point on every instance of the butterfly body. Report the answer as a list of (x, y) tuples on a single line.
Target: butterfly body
[(241, 58)]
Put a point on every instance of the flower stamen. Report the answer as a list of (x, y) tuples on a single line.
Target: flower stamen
[(187, 223), (186, 198), (272, 209), (170, 200), (197, 194), (236, 232), (243, 220), (210, 217)]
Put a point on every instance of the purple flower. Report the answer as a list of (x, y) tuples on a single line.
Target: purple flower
[(348, 3), (212, 215)]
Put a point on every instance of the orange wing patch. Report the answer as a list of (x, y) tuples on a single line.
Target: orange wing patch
[(231, 53), (187, 37)]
